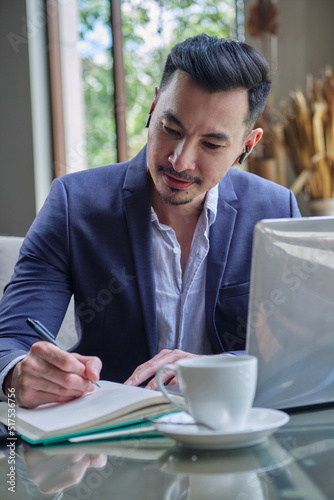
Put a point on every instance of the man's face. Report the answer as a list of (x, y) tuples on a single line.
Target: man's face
[(193, 139)]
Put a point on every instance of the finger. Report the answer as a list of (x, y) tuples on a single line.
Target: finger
[(87, 367), (65, 476), (98, 461), (32, 399), (49, 377), (37, 382), (148, 369), (172, 381), (62, 384), (93, 366), (65, 361), (32, 392), (39, 464), (167, 378)]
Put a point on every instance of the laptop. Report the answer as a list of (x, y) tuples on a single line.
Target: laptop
[(291, 312)]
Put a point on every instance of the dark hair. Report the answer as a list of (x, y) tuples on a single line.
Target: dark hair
[(222, 64)]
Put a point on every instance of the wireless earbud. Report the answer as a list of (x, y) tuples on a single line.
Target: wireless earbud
[(148, 119), (242, 157), (152, 107)]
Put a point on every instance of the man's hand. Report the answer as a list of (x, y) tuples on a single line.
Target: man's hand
[(149, 369), (52, 473), (49, 375)]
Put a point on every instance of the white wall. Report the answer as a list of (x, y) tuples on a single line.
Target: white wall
[(26, 169), (17, 191)]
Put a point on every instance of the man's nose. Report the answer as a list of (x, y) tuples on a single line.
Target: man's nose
[(183, 157)]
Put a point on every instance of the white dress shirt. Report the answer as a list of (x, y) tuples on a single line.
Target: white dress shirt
[(180, 300)]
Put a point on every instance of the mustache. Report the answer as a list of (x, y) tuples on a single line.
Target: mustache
[(179, 175)]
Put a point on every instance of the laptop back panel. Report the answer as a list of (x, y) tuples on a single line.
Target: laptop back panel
[(291, 311)]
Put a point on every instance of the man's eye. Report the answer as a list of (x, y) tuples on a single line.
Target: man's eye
[(170, 131), (209, 145)]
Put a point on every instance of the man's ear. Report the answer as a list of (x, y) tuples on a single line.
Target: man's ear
[(252, 139)]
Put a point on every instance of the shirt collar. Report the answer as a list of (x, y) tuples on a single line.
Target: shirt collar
[(211, 204)]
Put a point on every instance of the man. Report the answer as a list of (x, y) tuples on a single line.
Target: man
[(156, 250)]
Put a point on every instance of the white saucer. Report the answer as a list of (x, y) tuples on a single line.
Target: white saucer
[(260, 424)]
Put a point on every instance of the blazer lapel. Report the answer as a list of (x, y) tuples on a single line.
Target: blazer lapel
[(220, 240), (137, 201)]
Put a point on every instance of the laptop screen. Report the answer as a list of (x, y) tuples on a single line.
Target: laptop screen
[(291, 311)]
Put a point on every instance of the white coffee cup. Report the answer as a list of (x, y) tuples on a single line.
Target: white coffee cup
[(218, 390)]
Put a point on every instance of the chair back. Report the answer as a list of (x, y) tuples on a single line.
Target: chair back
[(9, 252)]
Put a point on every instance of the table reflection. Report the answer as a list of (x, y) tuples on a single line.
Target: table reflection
[(233, 473), (54, 472), (294, 463), (138, 470)]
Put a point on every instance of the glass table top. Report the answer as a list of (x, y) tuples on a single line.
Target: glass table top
[(296, 462)]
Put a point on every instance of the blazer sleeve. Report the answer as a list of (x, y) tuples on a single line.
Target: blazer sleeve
[(41, 284)]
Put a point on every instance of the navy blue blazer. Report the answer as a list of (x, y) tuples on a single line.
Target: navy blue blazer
[(92, 238)]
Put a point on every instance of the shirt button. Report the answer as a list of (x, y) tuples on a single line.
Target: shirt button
[(175, 250)]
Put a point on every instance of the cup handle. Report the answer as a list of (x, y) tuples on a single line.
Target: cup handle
[(164, 390)]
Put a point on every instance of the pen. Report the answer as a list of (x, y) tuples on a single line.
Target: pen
[(45, 334)]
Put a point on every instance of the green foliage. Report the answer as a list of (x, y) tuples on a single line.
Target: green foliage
[(92, 11), (149, 30)]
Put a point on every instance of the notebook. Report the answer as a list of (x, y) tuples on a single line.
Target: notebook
[(117, 409), (290, 327)]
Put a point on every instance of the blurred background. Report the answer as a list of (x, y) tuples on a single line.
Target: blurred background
[(77, 79)]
